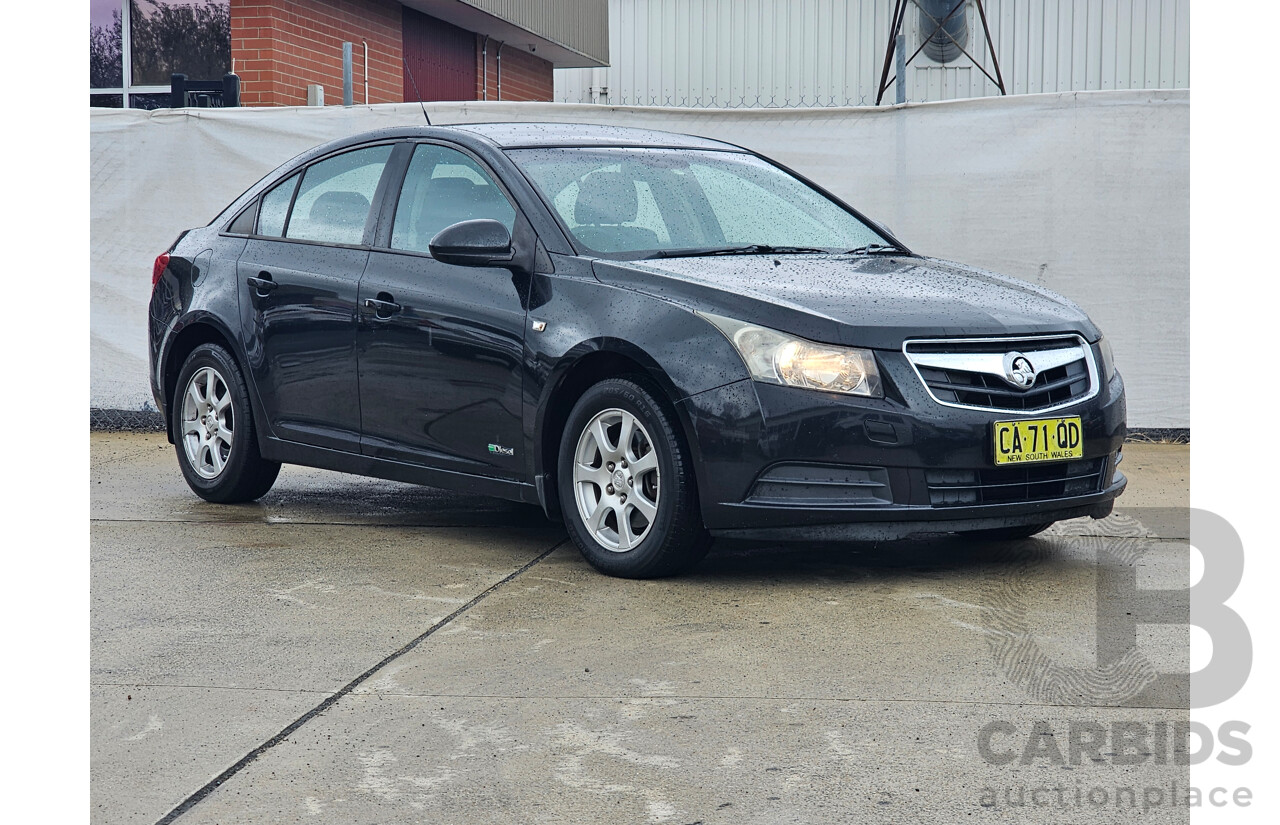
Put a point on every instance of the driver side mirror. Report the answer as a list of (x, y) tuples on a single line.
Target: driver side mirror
[(481, 242)]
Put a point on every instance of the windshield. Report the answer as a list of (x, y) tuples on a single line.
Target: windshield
[(633, 203)]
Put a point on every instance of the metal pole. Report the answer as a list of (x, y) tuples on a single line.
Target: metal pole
[(346, 75), (126, 53), (499, 61), (365, 46), (901, 67), (991, 49), (899, 9)]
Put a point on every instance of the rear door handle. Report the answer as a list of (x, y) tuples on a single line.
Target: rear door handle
[(383, 306), (262, 284)]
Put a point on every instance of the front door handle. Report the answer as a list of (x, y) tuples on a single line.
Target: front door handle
[(383, 306), (262, 284)]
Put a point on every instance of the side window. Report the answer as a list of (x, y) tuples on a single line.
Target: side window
[(442, 187), (274, 208), (335, 195), (243, 224)]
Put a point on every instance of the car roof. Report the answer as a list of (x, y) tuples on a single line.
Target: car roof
[(527, 135)]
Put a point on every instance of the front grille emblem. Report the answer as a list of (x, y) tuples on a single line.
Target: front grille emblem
[(1018, 370), (989, 374)]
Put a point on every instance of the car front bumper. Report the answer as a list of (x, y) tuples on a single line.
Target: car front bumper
[(788, 463)]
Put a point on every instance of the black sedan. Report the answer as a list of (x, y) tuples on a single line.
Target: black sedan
[(657, 338)]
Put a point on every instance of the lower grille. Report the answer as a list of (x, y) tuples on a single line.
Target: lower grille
[(822, 486), (1005, 485)]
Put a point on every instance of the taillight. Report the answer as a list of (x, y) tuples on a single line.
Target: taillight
[(157, 269)]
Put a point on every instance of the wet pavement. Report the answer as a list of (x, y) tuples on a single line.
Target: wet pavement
[(353, 650)]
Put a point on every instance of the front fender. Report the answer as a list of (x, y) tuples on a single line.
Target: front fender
[(680, 352)]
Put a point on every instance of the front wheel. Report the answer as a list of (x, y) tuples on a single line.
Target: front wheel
[(626, 484), (213, 430)]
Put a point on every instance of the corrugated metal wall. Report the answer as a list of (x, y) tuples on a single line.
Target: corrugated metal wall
[(755, 53), (581, 25)]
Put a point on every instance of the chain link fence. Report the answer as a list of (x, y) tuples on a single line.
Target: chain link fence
[(714, 102), (116, 421)]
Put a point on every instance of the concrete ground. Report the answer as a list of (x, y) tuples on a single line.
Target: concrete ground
[(352, 650)]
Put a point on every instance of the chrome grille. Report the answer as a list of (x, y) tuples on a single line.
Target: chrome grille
[(970, 373)]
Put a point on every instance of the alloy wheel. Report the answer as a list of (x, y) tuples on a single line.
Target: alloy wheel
[(208, 422), (616, 480)]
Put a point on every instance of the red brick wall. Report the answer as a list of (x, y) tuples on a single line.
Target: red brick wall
[(525, 76), (279, 47)]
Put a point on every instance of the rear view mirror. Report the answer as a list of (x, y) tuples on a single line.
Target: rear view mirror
[(481, 242)]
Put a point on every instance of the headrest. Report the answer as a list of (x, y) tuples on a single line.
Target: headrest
[(332, 207), (450, 188), (606, 198)]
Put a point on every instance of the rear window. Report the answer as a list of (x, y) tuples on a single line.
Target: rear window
[(335, 196)]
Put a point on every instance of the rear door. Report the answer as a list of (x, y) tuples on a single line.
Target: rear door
[(299, 279), (441, 346)]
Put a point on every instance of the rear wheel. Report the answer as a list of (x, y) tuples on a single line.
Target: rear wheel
[(213, 430), (626, 484), (1025, 531)]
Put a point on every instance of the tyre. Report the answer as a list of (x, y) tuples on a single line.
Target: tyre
[(1026, 531), (626, 484), (213, 430)]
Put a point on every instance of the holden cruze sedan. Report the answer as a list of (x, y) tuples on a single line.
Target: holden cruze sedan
[(656, 338)]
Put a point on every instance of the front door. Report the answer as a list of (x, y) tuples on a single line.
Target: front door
[(441, 346)]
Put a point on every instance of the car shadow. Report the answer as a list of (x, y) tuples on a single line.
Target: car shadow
[(940, 554), (335, 498)]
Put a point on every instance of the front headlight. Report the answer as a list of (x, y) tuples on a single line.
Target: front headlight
[(777, 358), (1108, 364)]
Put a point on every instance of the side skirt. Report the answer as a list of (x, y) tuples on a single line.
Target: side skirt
[(291, 452)]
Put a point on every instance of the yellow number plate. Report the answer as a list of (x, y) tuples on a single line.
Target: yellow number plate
[(1041, 439)]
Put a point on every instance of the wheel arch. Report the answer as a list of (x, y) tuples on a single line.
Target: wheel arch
[(582, 367), (188, 335)]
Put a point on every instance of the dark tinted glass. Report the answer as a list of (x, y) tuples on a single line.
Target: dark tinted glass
[(149, 101), (444, 186), (105, 48), (243, 224), (192, 37)]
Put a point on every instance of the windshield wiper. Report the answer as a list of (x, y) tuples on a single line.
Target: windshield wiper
[(747, 249), (876, 249)]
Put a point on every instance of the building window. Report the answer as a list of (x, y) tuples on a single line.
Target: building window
[(136, 45)]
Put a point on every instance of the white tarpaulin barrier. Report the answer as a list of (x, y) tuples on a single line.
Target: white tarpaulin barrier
[(1084, 193)]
